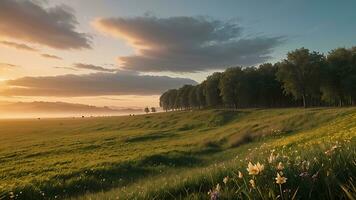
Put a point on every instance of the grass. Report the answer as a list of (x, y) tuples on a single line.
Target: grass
[(179, 155)]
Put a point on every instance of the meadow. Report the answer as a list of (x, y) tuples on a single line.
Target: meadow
[(201, 154)]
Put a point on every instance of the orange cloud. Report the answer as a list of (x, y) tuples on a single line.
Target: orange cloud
[(18, 46), (51, 56), (95, 84)]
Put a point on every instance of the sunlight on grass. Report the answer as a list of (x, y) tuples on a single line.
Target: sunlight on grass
[(182, 155)]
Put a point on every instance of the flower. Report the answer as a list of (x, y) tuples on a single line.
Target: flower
[(271, 158), (260, 167), (280, 166), (315, 176), (12, 195), (214, 194), (304, 174), (254, 169), (240, 175), (280, 179), (226, 179), (252, 182)]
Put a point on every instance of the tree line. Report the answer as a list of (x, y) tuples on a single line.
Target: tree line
[(305, 78)]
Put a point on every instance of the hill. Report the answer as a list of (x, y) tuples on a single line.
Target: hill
[(180, 154)]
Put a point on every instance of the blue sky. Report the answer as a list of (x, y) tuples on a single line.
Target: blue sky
[(319, 25)]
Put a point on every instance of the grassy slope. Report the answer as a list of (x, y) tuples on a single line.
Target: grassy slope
[(65, 157)]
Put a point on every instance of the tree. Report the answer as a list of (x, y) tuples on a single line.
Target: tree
[(182, 99), (147, 110), (212, 91), (164, 101), (248, 88), (303, 78), (339, 85), (172, 96), (300, 74), (200, 94), (153, 109), (229, 85), (193, 100), (270, 91)]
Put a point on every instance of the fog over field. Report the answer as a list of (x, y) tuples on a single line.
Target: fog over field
[(40, 109)]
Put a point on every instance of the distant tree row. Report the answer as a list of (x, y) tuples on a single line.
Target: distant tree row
[(147, 110), (304, 78)]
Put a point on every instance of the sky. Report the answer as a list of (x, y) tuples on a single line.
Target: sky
[(127, 52)]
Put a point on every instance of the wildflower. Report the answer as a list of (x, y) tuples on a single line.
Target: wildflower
[(240, 175), (280, 179), (214, 194), (305, 165), (280, 166), (260, 167), (271, 158), (254, 169), (253, 184), (226, 179), (315, 176), (304, 174)]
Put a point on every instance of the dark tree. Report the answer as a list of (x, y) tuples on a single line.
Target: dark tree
[(304, 78), (193, 100), (200, 94), (230, 85), (300, 74), (153, 109), (339, 84), (212, 91)]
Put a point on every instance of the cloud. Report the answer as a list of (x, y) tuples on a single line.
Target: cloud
[(51, 56), (96, 84), (17, 45), (68, 68), (7, 65), (30, 22), (93, 67), (186, 44)]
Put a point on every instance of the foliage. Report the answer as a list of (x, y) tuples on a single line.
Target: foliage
[(304, 78)]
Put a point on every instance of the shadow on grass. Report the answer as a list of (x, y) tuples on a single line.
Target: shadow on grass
[(172, 159), (103, 178), (149, 137)]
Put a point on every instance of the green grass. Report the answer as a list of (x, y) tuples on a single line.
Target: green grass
[(177, 154)]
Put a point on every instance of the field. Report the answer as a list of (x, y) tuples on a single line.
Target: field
[(182, 155)]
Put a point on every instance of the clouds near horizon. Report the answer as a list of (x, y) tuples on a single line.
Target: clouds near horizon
[(93, 67), (54, 27), (186, 44), (51, 56), (18, 46), (96, 84)]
